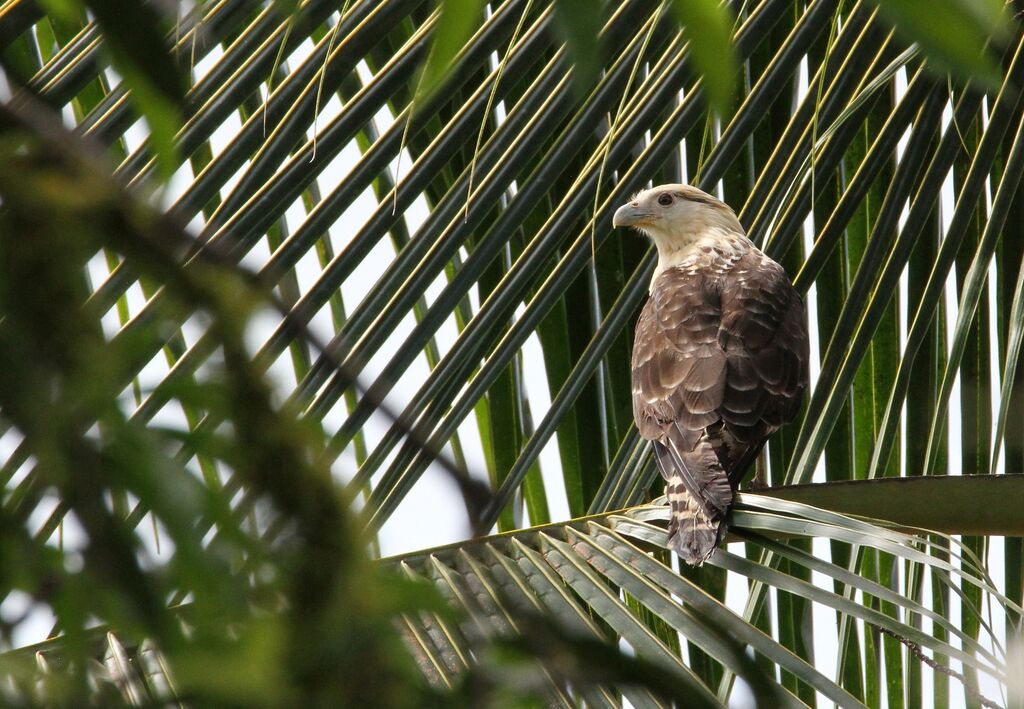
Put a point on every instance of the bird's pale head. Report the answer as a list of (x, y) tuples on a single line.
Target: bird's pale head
[(675, 215)]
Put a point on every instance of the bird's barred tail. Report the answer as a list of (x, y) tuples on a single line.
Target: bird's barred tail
[(699, 494), (691, 533)]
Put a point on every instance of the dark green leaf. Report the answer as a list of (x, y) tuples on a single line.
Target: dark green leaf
[(955, 35), (708, 28)]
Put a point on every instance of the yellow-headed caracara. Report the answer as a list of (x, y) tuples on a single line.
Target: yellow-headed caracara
[(719, 359)]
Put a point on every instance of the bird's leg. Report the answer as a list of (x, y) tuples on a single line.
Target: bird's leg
[(760, 480)]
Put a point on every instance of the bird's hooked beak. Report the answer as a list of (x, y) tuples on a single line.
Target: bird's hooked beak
[(631, 215)]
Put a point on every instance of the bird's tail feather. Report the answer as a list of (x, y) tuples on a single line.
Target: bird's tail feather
[(700, 471), (691, 533), (699, 493)]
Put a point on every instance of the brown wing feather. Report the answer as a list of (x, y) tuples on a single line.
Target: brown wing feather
[(677, 358), (719, 363), (764, 335)]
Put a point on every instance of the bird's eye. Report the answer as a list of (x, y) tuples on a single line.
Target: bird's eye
[(665, 200)]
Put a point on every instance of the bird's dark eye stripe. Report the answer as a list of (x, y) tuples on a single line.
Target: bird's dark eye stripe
[(692, 198)]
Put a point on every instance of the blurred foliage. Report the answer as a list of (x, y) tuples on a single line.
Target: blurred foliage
[(302, 621)]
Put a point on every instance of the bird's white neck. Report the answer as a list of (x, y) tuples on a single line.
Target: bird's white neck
[(698, 248)]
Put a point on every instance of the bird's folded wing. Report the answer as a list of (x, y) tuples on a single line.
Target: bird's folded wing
[(720, 356)]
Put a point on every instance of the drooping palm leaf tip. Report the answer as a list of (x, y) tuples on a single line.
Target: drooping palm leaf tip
[(720, 360)]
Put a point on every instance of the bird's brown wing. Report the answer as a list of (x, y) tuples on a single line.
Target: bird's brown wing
[(719, 363), (679, 381), (763, 334)]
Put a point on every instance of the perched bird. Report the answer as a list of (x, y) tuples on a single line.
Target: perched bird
[(719, 359)]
